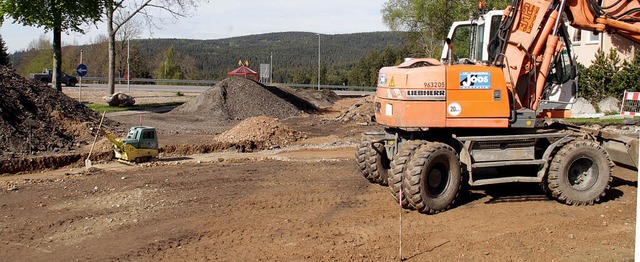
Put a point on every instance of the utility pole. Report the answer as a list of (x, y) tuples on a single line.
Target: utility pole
[(318, 61), (271, 69), (128, 61)]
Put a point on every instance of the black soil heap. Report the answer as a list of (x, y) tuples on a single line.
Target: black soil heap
[(36, 118)]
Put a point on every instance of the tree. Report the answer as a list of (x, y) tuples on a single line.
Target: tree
[(53, 15), (427, 22), (598, 80), (168, 69), (120, 12), (4, 55), (37, 56)]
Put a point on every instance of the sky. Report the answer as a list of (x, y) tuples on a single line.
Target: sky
[(219, 19)]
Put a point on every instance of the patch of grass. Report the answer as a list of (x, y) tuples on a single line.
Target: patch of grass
[(596, 121), (106, 108), (179, 94)]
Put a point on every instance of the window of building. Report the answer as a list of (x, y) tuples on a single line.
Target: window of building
[(576, 37), (592, 38)]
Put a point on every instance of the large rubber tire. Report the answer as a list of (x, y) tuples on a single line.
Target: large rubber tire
[(378, 163), (433, 180), (361, 158), (399, 167), (580, 173)]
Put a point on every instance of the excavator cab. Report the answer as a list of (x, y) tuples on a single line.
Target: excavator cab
[(473, 43)]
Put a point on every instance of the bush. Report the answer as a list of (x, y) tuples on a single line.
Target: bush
[(608, 75)]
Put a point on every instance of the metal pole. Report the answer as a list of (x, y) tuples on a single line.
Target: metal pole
[(318, 61), (80, 87), (271, 69), (128, 68)]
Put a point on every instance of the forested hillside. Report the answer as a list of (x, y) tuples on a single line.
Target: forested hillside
[(295, 56)]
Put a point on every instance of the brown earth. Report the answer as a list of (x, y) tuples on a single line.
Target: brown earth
[(296, 205), (303, 201)]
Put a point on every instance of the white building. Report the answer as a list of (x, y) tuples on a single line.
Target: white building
[(586, 44)]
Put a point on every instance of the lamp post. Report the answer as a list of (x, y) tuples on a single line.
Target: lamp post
[(128, 62), (318, 61)]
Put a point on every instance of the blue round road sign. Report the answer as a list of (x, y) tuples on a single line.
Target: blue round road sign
[(81, 70)]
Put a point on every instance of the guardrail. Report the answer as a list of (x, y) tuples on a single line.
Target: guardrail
[(213, 82)]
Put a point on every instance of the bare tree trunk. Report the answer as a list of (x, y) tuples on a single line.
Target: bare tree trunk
[(57, 58), (112, 50)]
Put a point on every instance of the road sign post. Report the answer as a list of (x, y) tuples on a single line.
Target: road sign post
[(81, 70)]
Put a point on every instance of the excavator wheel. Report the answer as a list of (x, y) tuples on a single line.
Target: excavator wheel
[(399, 167), (580, 173), (378, 163), (361, 158), (433, 178)]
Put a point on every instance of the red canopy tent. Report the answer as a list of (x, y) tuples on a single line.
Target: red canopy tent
[(245, 72)]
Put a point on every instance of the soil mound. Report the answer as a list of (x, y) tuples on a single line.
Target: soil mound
[(263, 131), (360, 112), (239, 98), (36, 118)]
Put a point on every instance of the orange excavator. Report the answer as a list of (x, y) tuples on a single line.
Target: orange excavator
[(483, 113)]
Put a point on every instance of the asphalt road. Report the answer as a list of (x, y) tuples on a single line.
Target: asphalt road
[(181, 88)]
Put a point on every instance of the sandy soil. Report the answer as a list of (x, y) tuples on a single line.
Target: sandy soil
[(304, 202), (313, 206)]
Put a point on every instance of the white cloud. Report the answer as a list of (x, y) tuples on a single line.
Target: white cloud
[(221, 19)]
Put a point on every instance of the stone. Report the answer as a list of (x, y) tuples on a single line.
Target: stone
[(582, 107), (609, 105), (120, 99)]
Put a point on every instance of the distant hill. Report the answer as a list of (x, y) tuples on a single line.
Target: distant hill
[(290, 50), (295, 55)]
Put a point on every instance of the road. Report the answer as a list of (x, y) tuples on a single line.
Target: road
[(181, 88)]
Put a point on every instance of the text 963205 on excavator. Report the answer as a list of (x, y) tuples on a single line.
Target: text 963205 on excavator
[(486, 104)]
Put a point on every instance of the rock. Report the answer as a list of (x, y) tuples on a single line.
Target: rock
[(120, 99), (582, 107), (609, 105)]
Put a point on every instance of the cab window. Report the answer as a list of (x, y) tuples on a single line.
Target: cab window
[(462, 37), (148, 135)]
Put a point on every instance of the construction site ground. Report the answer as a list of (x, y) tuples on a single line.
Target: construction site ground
[(305, 201)]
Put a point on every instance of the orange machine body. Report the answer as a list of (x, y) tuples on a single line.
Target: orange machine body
[(423, 93)]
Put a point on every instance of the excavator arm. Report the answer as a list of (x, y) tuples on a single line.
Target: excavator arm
[(527, 41), (621, 17)]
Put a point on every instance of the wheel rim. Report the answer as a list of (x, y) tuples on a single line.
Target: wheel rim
[(437, 178), (583, 173)]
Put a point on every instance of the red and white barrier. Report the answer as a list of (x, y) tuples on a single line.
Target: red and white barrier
[(630, 104)]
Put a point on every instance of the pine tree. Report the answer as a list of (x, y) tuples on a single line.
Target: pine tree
[(4, 55)]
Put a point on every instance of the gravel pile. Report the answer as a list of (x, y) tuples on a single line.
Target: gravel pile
[(264, 131), (239, 98), (37, 118), (360, 112), (323, 98)]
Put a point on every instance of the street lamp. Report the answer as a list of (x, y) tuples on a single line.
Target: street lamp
[(128, 62)]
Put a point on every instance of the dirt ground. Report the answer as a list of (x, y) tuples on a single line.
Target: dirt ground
[(303, 202)]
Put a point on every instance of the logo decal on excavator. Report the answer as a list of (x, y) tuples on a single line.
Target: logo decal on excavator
[(475, 80), (529, 14), (383, 79)]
